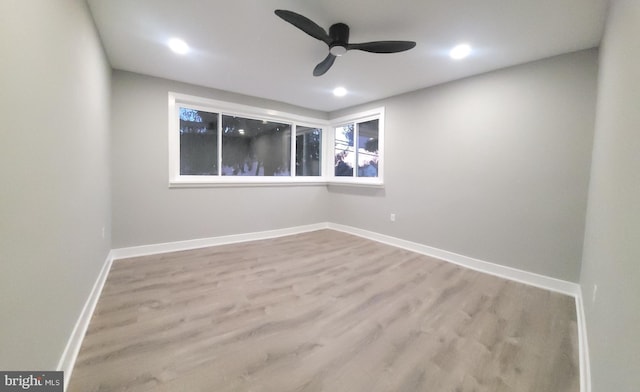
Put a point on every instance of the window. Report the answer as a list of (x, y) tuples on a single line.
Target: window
[(198, 142), (308, 151), (255, 147), (214, 143), (357, 151)]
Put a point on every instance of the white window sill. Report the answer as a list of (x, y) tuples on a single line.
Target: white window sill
[(362, 182), (244, 182)]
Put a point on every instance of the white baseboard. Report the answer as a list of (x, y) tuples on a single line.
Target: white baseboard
[(70, 353), (529, 278), (145, 250), (569, 288), (583, 344)]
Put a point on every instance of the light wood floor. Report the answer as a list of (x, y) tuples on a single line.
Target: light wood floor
[(322, 311)]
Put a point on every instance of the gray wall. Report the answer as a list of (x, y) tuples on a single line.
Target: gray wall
[(54, 163), (146, 211), (612, 240), (494, 167)]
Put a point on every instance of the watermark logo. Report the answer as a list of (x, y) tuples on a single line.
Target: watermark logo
[(31, 381)]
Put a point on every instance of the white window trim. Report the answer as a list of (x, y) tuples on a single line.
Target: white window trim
[(176, 180), (372, 114)]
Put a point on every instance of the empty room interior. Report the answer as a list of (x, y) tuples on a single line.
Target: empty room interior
[(321, 196)]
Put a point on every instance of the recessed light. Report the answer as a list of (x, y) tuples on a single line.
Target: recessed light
[(178, 46), (339, 91), (460, 51)]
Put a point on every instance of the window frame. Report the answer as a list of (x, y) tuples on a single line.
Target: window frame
[(221, 108), (356, 118)]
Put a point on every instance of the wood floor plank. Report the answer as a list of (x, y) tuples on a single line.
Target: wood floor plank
[(322, 311)]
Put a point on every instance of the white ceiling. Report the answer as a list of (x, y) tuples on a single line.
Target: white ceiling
[(243, 47)]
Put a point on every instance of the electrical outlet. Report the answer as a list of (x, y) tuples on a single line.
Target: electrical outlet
[(595, 291), (392, 217)]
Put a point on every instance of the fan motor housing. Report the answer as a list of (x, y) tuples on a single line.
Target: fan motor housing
[(339, 33)]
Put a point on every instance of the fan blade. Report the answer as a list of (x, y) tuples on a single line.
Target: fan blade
[(324, 66), (305, 24), (383, 46)]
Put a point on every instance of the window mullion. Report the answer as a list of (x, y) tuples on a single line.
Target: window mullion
[(220, 144), (356, 131), (293, 171)]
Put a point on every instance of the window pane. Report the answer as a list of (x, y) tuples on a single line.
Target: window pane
[(308, 152), (344, 151), (368, 149), (198, 142), (255, 147)]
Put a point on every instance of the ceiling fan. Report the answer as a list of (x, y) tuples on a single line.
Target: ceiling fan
[(338, 40)]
